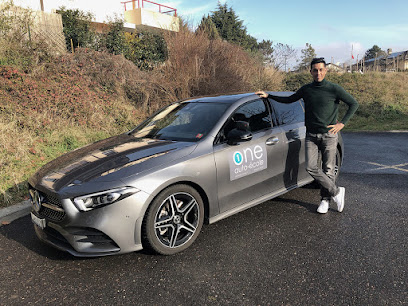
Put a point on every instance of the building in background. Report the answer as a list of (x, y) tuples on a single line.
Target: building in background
[(147, 15), (335, 67), (391, 62), (43, 26)]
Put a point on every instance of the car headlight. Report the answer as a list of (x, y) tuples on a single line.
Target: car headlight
[(95, 200)]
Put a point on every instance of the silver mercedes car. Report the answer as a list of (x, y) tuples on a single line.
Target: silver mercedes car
[(195, 161)]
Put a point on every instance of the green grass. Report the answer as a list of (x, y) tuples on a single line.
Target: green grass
[(44, 149), (361, 124), (383, 98)]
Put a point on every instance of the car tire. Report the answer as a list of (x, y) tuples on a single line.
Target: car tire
[(173, 220)]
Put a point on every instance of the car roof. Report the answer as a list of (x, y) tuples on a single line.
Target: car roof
[(229, 99), (232, 98)]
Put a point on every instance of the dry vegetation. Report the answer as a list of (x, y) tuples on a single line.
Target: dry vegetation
[(199, 66), (50, 105), (74, 99), (383, 99)]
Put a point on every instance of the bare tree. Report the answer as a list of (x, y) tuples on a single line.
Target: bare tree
[(282, 53)]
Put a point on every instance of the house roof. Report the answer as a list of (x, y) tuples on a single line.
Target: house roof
[(388, 56), (333, 65)]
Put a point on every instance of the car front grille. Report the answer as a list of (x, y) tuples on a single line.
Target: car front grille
[(52, 212), (51, 199), (51, 207)]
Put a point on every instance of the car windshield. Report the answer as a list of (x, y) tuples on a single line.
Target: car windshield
[(188, 121)]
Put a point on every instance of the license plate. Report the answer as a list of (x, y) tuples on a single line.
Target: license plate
[(38, 221)]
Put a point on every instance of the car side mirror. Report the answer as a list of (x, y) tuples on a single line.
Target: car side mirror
[(240, 133)]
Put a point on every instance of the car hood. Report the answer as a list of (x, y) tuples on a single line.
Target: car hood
[(109, 160)]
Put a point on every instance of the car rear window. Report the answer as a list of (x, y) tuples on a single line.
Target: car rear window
[(288, 113)]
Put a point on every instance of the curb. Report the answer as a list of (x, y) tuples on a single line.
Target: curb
[(14, 212)]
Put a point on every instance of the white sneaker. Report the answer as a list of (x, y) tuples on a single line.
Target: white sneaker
[(339, 199), (323, 207)]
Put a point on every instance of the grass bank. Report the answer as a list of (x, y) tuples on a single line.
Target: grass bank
[(75, 99), (383, 98), (49, 112)]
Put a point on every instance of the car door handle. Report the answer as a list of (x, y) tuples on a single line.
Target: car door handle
[(272, 141)]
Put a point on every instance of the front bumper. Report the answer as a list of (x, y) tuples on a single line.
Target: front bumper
[(112, 229)]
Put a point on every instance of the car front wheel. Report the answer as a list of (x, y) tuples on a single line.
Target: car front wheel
[(173, 220)]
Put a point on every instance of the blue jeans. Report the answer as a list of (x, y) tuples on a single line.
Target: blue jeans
[(326, 144)]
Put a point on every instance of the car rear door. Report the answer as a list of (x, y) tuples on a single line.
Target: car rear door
[(250, 169)]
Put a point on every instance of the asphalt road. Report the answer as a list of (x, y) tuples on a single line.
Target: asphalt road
[(280, 252)]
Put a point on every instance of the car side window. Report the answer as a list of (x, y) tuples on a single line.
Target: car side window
[(254, 112), (288, 113)]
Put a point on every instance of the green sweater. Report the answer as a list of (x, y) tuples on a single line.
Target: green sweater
[(321, 104)]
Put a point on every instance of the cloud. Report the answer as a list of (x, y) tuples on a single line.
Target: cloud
[(204, 9), (175, 4), (340, 52), (381, 35), (335, 42), (391, 32), (192, 12)]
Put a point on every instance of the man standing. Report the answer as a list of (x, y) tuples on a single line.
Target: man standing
[(322, 99)]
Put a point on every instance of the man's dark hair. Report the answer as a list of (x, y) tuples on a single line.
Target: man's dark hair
[(317, 61)]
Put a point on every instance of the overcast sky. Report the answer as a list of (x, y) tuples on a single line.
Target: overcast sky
[(333, 28)]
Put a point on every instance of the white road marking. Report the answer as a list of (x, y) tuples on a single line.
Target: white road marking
[(395, 167)]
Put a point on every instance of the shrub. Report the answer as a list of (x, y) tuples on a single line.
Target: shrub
[(198, 65), (113, 40), (77, 27), (146, 50), (19, 45)]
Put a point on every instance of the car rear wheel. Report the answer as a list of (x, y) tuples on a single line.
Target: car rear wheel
[(173, 220)]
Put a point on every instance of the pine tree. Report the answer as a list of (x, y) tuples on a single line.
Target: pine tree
[(207, 26), (374, 52), (231, 28), (308, 53)]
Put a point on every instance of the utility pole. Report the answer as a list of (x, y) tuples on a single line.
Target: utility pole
[(397, 64), (42, 5), (357, 61), (351, 60), (375, 62)]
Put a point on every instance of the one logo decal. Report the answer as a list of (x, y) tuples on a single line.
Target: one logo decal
[(247, 161), (238, 159)]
